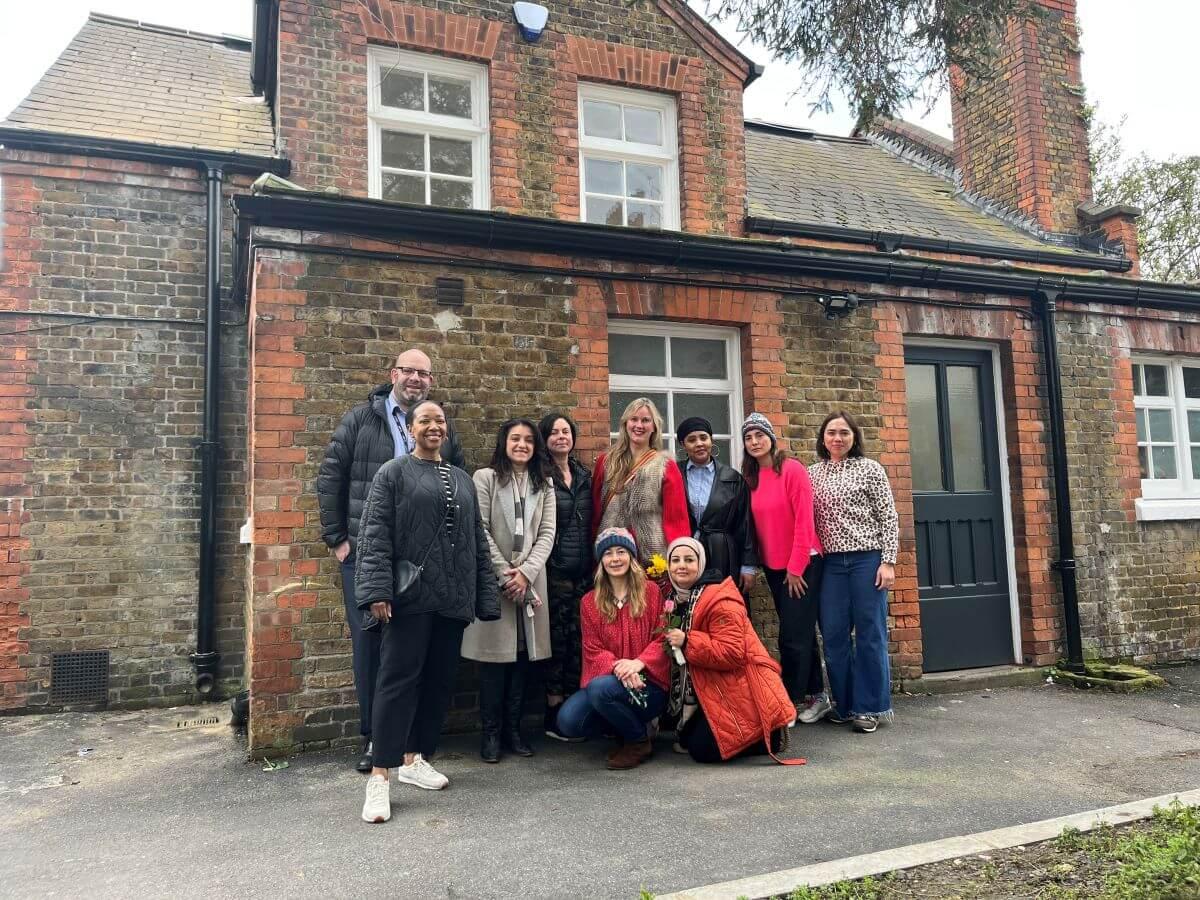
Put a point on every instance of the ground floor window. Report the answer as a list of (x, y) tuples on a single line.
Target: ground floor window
[(687, 370), (1167, 404)]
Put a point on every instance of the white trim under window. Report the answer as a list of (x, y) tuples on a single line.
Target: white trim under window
[(428, 136), (686, 370), (1166, 400), (628, 158)]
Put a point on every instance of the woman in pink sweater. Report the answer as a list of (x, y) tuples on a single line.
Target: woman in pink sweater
[(781, 508), (625, 670)]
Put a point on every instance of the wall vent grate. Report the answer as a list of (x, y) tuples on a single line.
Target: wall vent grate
[(79, 677)]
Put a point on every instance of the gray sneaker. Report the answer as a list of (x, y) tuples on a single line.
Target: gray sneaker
[(815, 711), (866, 724)]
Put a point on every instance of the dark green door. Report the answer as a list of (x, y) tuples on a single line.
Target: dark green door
[(958, 509)]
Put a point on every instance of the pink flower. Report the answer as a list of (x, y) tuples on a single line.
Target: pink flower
[(668, 606)]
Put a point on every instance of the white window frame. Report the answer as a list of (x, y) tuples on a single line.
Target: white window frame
[(647, 384), (1179, 497), (383, 118), (629, 151)]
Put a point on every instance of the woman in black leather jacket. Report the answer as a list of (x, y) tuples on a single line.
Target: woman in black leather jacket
[(570, 569)]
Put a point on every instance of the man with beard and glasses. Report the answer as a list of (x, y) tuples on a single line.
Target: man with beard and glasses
[(369, 435)]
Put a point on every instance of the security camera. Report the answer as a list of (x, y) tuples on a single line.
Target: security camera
[(531, 19)]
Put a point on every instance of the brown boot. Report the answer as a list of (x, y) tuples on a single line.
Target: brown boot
[(616, 748), (631, 755)]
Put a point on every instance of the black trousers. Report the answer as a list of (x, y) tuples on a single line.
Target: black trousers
[(418, 661), (798, 630), (701, 744), (365, 646)]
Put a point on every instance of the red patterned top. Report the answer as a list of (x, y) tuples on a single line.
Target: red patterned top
[(624, 638)]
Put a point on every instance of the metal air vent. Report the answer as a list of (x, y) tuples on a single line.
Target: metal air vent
[(450, 291), (79, 677)]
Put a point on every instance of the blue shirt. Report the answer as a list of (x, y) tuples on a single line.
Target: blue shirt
[(400, 436), (699, 488)]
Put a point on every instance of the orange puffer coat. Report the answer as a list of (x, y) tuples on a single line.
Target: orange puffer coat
[(736, 680)]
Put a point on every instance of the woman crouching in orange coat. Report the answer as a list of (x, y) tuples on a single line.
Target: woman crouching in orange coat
[(725, 687)]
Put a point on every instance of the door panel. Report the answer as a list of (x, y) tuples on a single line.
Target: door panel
[(962, 568)]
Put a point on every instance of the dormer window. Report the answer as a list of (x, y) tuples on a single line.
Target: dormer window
[(429, 130), (628, 158)]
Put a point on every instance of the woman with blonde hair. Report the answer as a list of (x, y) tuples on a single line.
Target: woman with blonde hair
[(625, 671), (637, 486)]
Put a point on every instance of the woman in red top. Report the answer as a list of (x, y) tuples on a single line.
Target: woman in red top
[(625, 671), (637, 486), (781, 508)]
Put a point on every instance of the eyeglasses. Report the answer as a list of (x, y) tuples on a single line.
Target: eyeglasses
[(423, 374)]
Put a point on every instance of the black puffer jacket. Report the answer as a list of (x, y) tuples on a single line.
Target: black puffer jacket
[(361, 444), (404, 519), (572, 554)]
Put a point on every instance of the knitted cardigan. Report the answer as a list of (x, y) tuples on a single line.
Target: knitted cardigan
[(624, 638)]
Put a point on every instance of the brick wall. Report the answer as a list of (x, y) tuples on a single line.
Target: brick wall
[(322, 105), (101, 419), (1020, 138)]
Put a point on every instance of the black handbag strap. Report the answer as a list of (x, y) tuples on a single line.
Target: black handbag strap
[(437, 531)]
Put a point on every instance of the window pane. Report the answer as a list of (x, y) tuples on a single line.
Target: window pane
[(602, 120), (644, 181), (1196, 462), (714, 407), (966, 428), (458, 194), (637, 354), (604, 212), (402, 89), (618, 400), (401, 150), (924, 447), (698, 358), (449, 96), (1194, 427), (1144, 461), (643, 126), (644, 215), (1191, 383), (602, 176), (1162, 429), (1164, 462), (449, 157), (1138, 390), (405, 188), (1141, 426), (1156, 381)]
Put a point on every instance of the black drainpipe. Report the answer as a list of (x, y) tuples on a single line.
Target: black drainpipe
[(1065, 565), (205, 657)]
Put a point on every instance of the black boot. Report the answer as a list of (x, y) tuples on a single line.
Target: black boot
[(491, 710), (514, 705)]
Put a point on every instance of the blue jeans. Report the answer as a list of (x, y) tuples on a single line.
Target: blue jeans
[(365, 647), (604, 704), (859, 678)]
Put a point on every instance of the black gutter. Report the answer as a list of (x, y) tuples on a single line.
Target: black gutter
[(889, 242), (496, 230), (1066, 564), (264, 49), (191, 157), (205, 657)]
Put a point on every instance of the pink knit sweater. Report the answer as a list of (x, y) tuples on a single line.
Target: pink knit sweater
[(782, 509)]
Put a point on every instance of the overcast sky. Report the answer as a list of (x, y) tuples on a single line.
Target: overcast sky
[(1140, 60)]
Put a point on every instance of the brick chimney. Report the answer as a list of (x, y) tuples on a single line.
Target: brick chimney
[(1020, 138)]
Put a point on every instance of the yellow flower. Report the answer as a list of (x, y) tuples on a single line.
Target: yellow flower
[(657, 566)]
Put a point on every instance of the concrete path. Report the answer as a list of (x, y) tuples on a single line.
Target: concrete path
[(159, 810)]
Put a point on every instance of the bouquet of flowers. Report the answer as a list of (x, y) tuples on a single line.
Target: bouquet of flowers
[(657, 568)]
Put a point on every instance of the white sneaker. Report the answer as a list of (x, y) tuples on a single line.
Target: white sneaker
[(815, 711), (422, 774), (378, 805)]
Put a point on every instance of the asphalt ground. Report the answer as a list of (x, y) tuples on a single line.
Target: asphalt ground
[(134, 804)]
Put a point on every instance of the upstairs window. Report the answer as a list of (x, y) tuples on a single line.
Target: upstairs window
[(1167, 404), (429, 130), (628, 158)]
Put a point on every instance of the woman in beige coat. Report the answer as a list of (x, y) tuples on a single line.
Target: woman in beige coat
[(516, 501)]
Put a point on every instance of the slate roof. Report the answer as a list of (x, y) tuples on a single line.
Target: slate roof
[(817, 179), (129, 81)]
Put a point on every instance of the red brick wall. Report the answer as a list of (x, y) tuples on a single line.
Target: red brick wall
[(533, 88)]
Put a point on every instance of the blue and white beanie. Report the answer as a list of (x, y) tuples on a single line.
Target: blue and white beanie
[(615, 537), (758, 422)]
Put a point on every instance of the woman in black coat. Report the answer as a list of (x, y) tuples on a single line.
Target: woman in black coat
[(718, 505), (570, 569), (424, 511)]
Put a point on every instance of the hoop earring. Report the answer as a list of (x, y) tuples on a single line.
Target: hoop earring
[(715, 452)]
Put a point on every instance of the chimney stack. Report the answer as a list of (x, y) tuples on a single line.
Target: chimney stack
[(1020, 138)]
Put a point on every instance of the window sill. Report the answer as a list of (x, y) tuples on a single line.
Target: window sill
[(1166, 510)]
